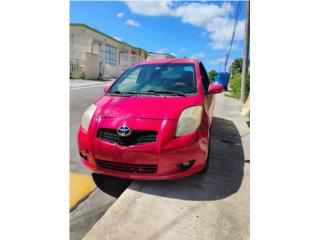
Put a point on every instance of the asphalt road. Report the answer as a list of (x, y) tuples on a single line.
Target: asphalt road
[(88, 212), (80, 99)]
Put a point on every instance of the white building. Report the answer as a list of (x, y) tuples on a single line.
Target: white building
[(94, 54)]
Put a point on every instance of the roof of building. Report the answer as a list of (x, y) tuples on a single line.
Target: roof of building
[(157, 53), (105, 35), (170, 60)]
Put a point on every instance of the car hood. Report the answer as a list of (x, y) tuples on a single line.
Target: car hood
[(167, 107)]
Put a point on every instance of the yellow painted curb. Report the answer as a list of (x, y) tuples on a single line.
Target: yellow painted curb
[(80, 187)]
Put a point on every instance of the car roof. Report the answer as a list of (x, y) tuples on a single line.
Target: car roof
[(168, 61)]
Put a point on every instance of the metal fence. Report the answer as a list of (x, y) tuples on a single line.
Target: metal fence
[(111, 63), (76, 68)]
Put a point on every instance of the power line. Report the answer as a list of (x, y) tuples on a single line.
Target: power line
[(225, 34), (233, 33)]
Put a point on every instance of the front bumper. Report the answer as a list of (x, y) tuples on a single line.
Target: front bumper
[(167, 153)]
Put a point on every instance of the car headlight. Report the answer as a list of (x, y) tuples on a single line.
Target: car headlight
[(87, 116), (189, 120)]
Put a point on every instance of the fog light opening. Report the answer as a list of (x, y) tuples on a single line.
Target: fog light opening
[(186, 165), (83, 156)]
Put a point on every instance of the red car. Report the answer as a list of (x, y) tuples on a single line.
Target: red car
[(153, 122)]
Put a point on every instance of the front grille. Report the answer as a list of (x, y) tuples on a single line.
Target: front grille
[(137, 137), (126, 167)]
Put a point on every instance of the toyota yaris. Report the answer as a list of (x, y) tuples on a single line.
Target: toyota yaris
[(153, 122)]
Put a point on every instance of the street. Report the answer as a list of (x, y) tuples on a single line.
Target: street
[(80, 99), (84, 215)]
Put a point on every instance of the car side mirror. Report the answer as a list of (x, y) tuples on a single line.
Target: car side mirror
[(215, 88), (106, 88)]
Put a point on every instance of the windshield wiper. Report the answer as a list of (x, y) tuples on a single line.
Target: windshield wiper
[(149, 92), (130, 92), (167, 92)]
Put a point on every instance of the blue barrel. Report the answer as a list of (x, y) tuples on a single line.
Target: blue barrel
[(223, 78)]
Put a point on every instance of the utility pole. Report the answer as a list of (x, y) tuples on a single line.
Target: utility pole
[(244, 76)]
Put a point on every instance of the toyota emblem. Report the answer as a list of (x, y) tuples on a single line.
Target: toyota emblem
[(124, 131)]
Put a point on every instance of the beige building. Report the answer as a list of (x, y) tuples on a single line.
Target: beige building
[(94, 54)]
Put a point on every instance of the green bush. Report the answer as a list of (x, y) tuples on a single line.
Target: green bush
[(235, 85)]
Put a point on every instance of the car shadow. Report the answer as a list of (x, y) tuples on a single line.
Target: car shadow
[(112, 186), (223, 178)]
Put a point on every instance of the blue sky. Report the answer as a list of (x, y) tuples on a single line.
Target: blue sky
[(200, 29)]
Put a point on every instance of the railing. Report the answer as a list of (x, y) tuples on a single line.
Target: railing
[(106, 70), (76, 68)]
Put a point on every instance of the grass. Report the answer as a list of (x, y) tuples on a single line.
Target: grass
[(235, 87)]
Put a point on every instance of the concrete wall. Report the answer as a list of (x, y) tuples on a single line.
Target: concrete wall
[(92, 66), (80, 43)]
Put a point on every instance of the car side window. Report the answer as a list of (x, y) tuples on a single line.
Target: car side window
[(204, 78)]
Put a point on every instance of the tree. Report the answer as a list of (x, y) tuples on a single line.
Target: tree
[(212, 74), (235, 81), (236, 66)]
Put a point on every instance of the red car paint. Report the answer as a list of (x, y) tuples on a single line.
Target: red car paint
[(150, 113)]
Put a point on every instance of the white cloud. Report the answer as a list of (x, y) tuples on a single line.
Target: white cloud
[(182, 49), (119, 39), (198, 55), (199, 14), (151, 8), (223, 45), (221, 60), (217, 60), (162, 50), (221, 35), (213, 18), (120, 14), (133, 23)]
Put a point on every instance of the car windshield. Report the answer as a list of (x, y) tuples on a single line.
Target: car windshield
[(157, 79)]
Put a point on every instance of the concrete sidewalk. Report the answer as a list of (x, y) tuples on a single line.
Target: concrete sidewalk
[(80, 83), (211, 206)]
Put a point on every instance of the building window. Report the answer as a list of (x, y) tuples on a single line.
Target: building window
[(108, 55)]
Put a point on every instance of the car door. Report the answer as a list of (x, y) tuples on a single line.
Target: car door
[(209, 98)]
